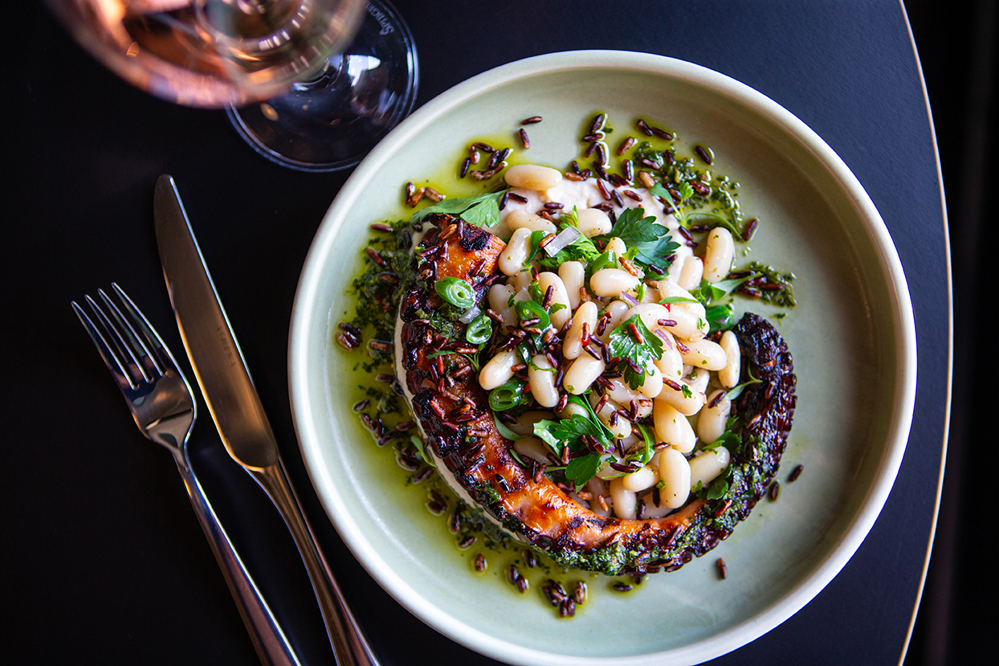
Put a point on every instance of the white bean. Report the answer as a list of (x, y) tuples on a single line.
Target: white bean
[(499, 299), (674, 470), (718, 255), (498, 371), (616, 310), (652, 381), (612, 282), (533, 177), (670, 363), (687, 402), (572, 409), (624, 500), (521, 281), (640, 480), (729, 375), (596, 488), (672, 427), (620, 427), (704, 354), (573, 275), (541, 379), (583, 372), (711, 423), (707, 465), (522, 219), (617, 246), (559, 297), (514, 255), (689, 315), (623, 395), (593, 222), (650, 313), (691, 273), (533, 448), (586, 314), (699, 381)]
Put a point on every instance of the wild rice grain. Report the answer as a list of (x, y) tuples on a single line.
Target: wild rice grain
[(625, 146), (704, 153), (774, 491), (722, 569), (530, 121), (795, 473), (465, 166), (598, 123), (480, 563), (524, 139)]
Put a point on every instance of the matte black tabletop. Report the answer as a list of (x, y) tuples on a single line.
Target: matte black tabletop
[(102, 558)]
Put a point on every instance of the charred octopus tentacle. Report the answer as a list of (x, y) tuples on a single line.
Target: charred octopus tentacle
[(454, 414)]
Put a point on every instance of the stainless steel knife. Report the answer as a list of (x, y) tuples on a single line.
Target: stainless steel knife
[(236, 409)]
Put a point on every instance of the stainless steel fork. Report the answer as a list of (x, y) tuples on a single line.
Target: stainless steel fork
[(164, 408)]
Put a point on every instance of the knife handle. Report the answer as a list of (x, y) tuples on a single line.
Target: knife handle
[(349, 644), (268, 639)]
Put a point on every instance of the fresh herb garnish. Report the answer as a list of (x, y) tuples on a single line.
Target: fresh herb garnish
[(636, 346), (479, 211), (570, 433), (648, 242)]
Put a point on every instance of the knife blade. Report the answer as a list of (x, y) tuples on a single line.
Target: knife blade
[(236, 409)]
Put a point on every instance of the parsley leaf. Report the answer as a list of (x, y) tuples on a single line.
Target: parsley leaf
[(568, 433), (582, 469), (633, 227), (479, 211), (640, 350), (648, 242)]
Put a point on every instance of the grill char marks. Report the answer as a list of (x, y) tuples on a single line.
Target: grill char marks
[(453, 411)]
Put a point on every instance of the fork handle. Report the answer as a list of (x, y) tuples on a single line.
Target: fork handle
[(268, 639), (350, 647)]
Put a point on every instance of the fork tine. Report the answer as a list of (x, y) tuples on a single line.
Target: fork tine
[(153, 343), (138, 346), (111, 360), (114, 334)]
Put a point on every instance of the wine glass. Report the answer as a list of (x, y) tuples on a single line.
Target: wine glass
[(292, 81)]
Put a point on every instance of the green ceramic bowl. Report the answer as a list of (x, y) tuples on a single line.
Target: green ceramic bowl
[(852, 337)]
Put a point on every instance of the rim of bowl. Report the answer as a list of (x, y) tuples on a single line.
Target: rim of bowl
[(305, 311)]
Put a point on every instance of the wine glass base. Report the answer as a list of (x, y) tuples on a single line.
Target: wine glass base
[(332, 121)]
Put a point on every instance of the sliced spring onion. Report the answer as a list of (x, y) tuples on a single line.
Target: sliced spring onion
[(565, 238), (532, 310), (507, 396), (480, 330), (456, 291), (606, 260)]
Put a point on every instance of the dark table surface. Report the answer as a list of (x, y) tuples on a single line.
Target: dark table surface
[(102, 558)]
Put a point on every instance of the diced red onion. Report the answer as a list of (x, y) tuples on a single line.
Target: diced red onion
[(628, 298), (565, 238), (664, 334)]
